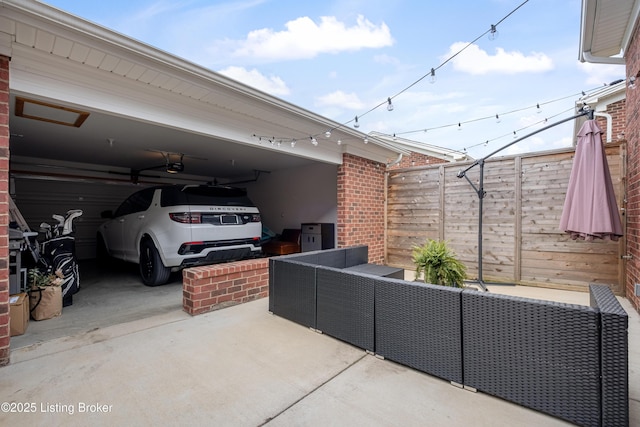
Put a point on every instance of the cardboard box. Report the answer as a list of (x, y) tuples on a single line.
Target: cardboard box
[(18, 314)]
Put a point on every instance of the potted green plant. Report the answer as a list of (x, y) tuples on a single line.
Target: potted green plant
[(438, 264)]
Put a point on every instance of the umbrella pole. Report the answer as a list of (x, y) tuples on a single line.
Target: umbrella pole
[(585, 111)]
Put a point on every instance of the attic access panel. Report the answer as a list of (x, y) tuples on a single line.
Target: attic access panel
[(51, 113)]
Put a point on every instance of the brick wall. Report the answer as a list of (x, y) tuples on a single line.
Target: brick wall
[(632, 134), (361, 205), (211, 287), (4, 211), (416, 159)]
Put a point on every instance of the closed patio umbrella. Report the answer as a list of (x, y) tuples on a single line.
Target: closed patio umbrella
[(590, 209)]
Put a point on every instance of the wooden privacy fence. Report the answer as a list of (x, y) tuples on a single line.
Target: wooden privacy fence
[(522, 242)]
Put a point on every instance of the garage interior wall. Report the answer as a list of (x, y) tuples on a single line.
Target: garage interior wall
[(290, 197), (39, 198)]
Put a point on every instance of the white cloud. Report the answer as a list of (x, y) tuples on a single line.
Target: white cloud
[(303, 38), (340, 99), (272, 85), (601, 74), (476, 61)]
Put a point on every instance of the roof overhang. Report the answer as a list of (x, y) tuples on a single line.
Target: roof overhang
[(606, 29), (59, 58), (410, 146)]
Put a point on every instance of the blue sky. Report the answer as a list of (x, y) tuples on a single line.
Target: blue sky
[(341, 58)]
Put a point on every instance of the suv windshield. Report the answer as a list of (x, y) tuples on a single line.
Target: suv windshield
[(203, 195)]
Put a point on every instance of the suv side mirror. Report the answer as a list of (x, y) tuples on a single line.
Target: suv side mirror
[(106, 214)]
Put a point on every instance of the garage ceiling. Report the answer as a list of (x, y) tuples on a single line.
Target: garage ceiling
[(82, 93), (121, 144)]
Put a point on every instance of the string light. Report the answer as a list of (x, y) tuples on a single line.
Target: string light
[(366, 140), (433, 78), (498, 120), (314, 141), (493, 33), (537, 106), (539, 110), (293, 143), (432, 72), (327, 134)]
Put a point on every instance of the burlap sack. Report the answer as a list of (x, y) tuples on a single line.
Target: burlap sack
[(45, 302)]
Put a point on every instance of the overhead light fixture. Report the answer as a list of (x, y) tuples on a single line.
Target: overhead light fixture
[(175, 167)]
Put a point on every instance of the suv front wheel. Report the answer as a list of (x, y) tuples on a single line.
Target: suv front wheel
[(152, 270)]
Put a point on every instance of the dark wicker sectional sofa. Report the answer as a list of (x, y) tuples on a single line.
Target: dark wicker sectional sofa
[(569, 361)]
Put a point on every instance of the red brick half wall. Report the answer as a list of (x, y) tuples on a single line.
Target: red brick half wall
[(211, 287)]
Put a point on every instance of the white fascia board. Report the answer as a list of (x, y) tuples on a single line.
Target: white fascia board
[(600, 99)]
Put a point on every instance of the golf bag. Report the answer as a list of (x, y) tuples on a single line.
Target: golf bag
[(60, 254)]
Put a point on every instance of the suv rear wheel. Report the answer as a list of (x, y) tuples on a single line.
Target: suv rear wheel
[(152, 270)]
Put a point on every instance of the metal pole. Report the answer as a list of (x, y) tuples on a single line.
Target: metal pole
[(586, 111)]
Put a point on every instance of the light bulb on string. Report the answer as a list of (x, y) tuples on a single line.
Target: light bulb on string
[(395, 138), (339, 142), (514, 135), (327, 134), (314, 141), (293, 143), (389, 105), (493, 33), (539, 110), (365, 140), (356, 124), (459, 126), (433, 78), (498, 119)]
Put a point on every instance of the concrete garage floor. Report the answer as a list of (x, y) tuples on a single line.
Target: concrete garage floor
[(109, 295)]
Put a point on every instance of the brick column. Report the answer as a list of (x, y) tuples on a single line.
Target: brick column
[(632, 135), (361, 205), (4, 211)]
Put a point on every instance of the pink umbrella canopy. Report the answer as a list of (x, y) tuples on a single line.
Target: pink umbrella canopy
[(590, 208)]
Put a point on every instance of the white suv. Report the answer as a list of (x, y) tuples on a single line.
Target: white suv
[(166, 228)]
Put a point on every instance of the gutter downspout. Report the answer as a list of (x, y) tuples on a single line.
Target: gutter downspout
[(609, 123), (396, 161)]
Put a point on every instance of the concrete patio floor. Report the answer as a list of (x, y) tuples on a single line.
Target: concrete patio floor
[(241, 366)]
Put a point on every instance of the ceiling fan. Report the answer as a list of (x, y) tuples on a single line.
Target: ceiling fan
[(173, 163)]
